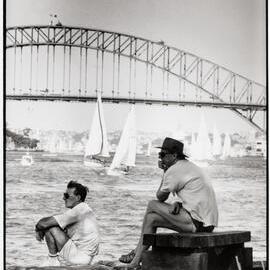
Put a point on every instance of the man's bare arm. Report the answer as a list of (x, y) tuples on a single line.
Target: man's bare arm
[(46, 223), (162, 196), (40, 235)]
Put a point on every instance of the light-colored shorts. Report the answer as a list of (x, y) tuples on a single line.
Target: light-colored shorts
[(70, 254)]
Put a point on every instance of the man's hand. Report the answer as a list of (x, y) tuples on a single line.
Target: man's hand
[(162, 166), (174, 208), (39, 235)]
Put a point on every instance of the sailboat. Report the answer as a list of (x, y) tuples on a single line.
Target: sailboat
[(125, 154), (201, 150), (226, 151), (27, 160), (216, 143), (97, 144), (192, 147), (52, 147), (149, 148)]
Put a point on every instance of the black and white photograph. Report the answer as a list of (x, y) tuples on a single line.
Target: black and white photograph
[(135, 134)]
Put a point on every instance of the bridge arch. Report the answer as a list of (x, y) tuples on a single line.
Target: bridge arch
[(199, 81)]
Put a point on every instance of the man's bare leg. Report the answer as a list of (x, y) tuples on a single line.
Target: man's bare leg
[(50, 243), (55, 239), (182, 222), (157, 215)]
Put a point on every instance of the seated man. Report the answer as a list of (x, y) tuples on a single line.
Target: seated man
[(72, 238), (196, 210)]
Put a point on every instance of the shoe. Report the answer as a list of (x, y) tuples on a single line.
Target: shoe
[(50, 261), (127, 258)]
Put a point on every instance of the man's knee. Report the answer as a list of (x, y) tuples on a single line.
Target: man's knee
[(58, 236), (152, 219), (152, 205), (55, 229)]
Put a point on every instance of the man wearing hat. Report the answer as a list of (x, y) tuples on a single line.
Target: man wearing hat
[(195, 209)]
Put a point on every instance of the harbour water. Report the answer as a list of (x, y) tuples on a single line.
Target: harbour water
[(119, 202)]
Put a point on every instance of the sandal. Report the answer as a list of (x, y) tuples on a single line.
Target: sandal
[(128, 257), (107, 263)]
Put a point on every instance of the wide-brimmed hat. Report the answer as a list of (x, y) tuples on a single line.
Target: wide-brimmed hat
[(173, 146)]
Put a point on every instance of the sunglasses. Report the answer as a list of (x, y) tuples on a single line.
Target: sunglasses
[(162, 154), (66, 195)]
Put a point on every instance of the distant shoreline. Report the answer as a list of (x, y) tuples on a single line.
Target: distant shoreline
[(25, 150)]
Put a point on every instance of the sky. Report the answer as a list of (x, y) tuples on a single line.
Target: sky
[(230, 33)]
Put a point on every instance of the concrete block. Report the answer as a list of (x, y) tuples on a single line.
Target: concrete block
[(171, 260)]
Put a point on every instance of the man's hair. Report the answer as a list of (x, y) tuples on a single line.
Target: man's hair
[(79, 189)]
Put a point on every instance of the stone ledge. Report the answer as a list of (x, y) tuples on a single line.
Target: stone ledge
[(196, 240)]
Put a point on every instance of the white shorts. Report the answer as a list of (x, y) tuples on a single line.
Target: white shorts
[(70, 254)]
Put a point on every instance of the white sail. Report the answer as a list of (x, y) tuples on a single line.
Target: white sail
[(226, 151), (130, 157), (193, 146), (70, 145), (52, 144), (149, 148), (126, 150), (216, 142), (203, 148), (61, 145), (97, 143)]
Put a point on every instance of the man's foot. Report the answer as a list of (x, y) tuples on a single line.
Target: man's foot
[(127, 258), (50, 261), (107, 263)]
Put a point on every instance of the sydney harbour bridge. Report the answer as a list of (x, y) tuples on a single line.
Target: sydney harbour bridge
[(65, 63)]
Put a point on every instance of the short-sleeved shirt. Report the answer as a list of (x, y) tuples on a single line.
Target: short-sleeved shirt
[(81, 227), (190, 184)]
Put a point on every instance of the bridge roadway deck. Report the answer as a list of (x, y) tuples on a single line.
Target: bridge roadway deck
[(213, 104)]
